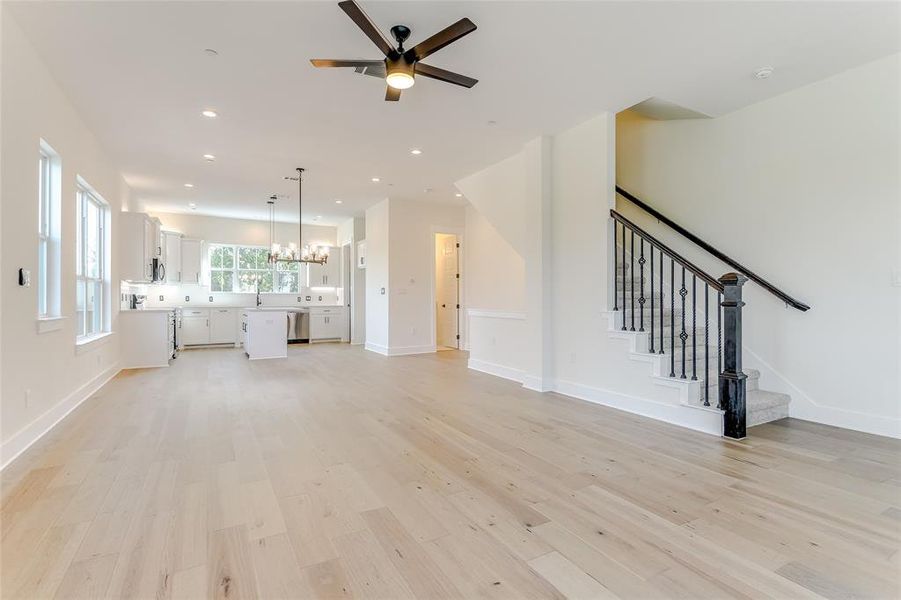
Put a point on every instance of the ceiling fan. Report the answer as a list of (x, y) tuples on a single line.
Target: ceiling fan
[(400, 66)]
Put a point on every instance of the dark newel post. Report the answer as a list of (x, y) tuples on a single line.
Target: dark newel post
[(732, 380)]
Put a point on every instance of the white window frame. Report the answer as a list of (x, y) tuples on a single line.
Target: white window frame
[(84, 196), (49, 199), (236, 270)]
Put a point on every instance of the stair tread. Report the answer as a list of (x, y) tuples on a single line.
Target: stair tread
[(766, 399)]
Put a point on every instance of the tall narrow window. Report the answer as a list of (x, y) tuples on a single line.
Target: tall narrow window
[(91, 260), (48, 232)]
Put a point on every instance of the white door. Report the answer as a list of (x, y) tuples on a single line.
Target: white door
[(447, 280)]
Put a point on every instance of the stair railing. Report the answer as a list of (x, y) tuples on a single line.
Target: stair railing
[(666, 270)]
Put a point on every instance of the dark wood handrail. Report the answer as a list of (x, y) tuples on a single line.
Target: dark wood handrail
[(711, 280), (723, 257)]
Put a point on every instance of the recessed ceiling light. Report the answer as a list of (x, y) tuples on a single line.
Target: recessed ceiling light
[(375, 180), (492, 122), (339, 201), (209, 157), (210, 52), (192, 206), (427, 190), (763, 72), (458, 195), (416, 151), (189, 185), (210, 114)]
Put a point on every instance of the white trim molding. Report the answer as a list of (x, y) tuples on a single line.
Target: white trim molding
[(48, 324), (495, 369), (26, 437), (399, 350), (488, 313)]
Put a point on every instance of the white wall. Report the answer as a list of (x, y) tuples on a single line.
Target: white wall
[(45, 366), (804, 190)]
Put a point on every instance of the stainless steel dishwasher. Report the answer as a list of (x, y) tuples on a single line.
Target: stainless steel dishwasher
[(298, 325)]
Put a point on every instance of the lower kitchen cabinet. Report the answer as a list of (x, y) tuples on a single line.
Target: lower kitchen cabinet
[(203, 326), (327, 324), (222, 326)]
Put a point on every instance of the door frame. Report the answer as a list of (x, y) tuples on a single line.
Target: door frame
[(348, 260), (461, 327)]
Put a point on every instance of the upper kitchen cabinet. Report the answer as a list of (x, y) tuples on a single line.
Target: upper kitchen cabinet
[(172, 256), (191, 260), (327, 275), (140, 244)]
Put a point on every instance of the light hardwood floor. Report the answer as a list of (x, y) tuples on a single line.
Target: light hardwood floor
[(342, 473)]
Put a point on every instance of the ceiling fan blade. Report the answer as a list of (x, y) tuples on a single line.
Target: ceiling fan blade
[(392, 94), (328, 62), (373, 71), (359, 17), (442, 75), (440, 40)]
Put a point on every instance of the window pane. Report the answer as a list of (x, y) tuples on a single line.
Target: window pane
[(247, 281), (221, 281), (80, 307), (287, 282), (246, 258), (95, 307), (92, 240), (216, 257), (228, 257)]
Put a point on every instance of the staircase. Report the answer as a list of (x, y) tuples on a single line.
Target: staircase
[(687, 324), (701, 359)]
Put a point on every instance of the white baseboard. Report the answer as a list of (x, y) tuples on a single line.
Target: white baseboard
[(31, 433), (399, 350), (537, 384), (497, 370), (804, 407), (699, 419)]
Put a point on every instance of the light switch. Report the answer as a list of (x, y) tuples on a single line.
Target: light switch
[(24, 278)]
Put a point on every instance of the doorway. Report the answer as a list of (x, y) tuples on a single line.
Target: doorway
[(447, 291)]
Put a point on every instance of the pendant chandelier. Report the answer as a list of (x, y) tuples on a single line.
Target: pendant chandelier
[(294, 253)]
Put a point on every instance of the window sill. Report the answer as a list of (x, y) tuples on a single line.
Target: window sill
[(48, 324), (87, 344)]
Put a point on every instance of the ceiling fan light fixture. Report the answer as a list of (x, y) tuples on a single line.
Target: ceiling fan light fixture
[(400, 74)]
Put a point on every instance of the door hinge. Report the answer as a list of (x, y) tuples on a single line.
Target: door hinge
[(458, 276), (458, 336), (458, 244), (458, 306)]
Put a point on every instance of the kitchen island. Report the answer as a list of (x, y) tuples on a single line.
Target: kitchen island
[(265, 332)]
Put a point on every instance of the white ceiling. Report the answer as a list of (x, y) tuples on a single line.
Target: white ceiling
[(138, 74)]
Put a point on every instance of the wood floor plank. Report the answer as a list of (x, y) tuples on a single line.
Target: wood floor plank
[(417, 477)]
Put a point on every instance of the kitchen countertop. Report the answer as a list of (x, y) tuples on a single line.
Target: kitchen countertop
[(144, 310)]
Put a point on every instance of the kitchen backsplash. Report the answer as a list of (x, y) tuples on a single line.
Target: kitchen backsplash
[(166, 296)]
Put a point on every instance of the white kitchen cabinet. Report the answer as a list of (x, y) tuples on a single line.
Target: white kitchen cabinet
[(222, 326), (195, 327), (139, 244), (172, 256), (191, 260), (265, 333), (327, 275), (327, 324)]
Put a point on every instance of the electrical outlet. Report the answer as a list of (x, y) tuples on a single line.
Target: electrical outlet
[(211, 298), (298, 299), (187, 298), (161, 298)]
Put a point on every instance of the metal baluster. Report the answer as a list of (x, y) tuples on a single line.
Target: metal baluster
[(615, 267), (661, 301), (706, 345), (632, 277), (652, 299), (624, 276), (683, 336), (694, 328), (719, 346), (641, 262), (672, 317)]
